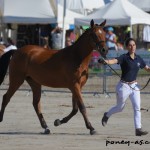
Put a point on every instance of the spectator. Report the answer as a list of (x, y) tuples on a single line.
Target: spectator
[(45, 42), (68, 40), (1, 41), (119, 46), (72, 36), (10, 45), (110, 39), (56, 35)]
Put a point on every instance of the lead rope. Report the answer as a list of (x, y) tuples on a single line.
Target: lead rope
[(128, 84)]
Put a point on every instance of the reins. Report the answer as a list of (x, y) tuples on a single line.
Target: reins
[(128, 84)]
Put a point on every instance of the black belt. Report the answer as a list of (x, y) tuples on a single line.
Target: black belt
[(128, 82)]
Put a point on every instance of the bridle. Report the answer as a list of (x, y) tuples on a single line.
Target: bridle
[(97, 42), (128, 84)]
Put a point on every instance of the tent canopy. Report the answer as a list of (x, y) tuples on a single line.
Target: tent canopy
[(143, 4), (118, 12), (26, 11), (70, 15), (82, 6)]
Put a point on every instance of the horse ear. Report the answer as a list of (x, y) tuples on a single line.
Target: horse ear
[(103, 23), (92, 23)]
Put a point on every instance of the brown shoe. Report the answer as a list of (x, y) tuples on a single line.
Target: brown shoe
[(104, 119), (140, 132)]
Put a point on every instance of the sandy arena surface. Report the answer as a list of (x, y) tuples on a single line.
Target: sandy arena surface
[(21, 130)]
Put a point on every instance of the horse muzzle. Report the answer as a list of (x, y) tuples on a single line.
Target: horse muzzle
[(103, 51)]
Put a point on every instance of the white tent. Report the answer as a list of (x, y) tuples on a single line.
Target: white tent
[(67, 10), (82, 6), (69, 18), (26, 11), (143, 4), (65, 17), (118, 12)]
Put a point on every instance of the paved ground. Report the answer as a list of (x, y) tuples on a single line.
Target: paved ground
[(21, 130)]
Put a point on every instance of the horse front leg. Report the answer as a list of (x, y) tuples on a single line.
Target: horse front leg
[(36, 89), (74, 111), (77, 99), (82, 108)]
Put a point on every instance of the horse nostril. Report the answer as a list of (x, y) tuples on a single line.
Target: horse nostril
[(103, 50)]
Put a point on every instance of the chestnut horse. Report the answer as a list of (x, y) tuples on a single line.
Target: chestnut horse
[(65, 68)]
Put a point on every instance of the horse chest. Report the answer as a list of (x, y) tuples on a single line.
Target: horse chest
[(81, 72)]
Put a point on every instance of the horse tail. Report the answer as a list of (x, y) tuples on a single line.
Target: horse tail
[(4, 63)]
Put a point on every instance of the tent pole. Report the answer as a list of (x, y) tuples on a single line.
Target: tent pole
[(64, 30), (3, 32), (39, 35)]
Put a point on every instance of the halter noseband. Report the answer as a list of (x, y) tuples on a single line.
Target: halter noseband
[(97, 42)]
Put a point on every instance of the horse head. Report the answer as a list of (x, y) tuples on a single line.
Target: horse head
[(98, 37)]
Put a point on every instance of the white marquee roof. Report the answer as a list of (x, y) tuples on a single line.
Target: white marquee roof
[(118, 12), (26, 11)]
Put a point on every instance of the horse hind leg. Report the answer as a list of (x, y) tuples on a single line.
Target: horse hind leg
[(36, 89), (15, 83), (74, 111)]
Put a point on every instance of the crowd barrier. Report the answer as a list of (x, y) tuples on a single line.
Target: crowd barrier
[(102, 80)]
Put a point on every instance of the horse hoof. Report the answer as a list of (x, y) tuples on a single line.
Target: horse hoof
[(57, 122), (92, 132), (47, 131)]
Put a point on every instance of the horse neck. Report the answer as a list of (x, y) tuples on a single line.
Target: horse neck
[(83, 48)]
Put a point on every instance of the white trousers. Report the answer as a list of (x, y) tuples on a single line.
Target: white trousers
[(123, 91)]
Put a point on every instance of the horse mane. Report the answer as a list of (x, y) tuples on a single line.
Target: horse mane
[(85, 32), (77, 41)]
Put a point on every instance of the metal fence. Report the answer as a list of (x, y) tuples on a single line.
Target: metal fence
[(101, 79), (97, 83)]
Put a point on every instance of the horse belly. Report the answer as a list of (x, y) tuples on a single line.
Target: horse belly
[(49, 78)]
